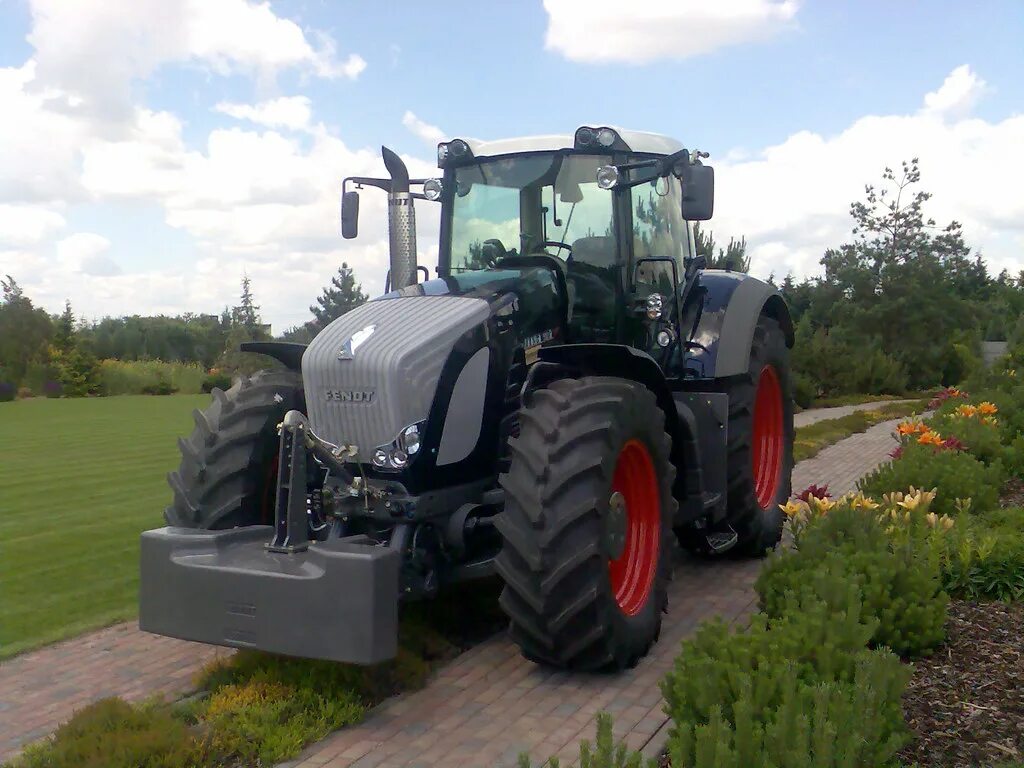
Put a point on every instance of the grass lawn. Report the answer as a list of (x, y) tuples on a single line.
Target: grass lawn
[(79, 480)]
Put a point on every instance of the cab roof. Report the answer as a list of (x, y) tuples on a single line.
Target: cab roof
[(636, 141)]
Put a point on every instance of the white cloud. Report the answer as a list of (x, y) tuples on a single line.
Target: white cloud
[(429, 133), (607, 30), (96, 50), (292, 112), (791, 200), (27, 225), (86, 252), (957, 95)]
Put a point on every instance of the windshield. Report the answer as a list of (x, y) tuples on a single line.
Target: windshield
[(542, 203)]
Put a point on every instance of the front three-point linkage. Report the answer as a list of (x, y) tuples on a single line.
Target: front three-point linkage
[(291, 512)]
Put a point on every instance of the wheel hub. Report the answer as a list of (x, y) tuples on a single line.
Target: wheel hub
[(616, 524)]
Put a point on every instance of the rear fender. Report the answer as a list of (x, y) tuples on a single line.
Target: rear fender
[(733, 303), (574, 360)]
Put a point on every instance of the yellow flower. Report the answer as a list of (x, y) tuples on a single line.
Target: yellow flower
[(931, 518), (911, 502), (822, 506), (946, 522), (966, 411), (987, 408), (989, 421), (860, 501), (931, 437), (792, 507), (1011, 372)]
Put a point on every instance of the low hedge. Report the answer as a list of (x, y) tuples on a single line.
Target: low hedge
[(149, 377), (897, 583), (955, 474)]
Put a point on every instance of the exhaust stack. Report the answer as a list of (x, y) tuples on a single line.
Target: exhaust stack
[(401, 222)]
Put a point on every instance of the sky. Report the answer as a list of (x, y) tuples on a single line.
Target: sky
[(154, 152)]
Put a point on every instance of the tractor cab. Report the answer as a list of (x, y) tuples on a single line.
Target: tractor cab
[(607, 211)]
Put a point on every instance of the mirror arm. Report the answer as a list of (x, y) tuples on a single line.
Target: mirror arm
[(367, 181)]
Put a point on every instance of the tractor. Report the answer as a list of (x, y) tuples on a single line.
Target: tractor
[(572, 396)]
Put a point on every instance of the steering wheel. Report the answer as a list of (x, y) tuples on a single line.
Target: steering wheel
[(556, 244)]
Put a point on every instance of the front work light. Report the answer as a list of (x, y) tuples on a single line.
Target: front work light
[(432, 189), (454, 150), (607, 176)]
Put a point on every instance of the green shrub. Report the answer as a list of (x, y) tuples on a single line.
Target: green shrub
[(219, 380), (897, 583), (804, 389), (984, 558), (140, 377), (745, 699), (853, 724), (604, 753), (980, 440), (78, 372), (113, 734), (955, 475), (162, 386)]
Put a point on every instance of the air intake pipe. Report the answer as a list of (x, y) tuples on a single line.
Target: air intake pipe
[(401, 222)]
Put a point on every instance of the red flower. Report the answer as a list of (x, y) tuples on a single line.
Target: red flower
[(896, 452), (951, 443), (817, 491)]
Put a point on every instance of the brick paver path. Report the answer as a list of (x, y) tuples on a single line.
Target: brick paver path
[(39, 690), (481, 710), (813, 415)]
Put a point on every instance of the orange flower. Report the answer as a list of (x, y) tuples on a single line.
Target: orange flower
[(930, 438), (966, 411), (987, 408), (906, 428)]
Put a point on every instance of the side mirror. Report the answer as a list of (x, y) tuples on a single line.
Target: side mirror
[(349, 214), (698, 193)]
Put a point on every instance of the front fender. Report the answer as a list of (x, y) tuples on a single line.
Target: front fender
[(733, 302)]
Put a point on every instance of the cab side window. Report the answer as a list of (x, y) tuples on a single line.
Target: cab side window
[(659, 230)]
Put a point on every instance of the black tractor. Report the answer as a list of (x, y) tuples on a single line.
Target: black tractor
[(574, 392)]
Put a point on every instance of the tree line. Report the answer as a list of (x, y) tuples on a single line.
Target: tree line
[(59, 354)]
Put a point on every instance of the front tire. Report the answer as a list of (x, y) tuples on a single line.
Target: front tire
[(760, 447), (587, 524), (228, 471)]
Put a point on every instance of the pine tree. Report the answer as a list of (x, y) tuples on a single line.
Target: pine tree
[(64, 338), (343, 294), (247, 314), (11, 291), (733, 257)]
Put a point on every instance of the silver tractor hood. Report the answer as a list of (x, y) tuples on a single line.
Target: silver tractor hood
[(374, 371)]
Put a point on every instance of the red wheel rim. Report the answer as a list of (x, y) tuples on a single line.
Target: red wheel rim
[(632, 573), (768, 437)]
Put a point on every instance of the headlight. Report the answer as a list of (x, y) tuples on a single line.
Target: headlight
[(655, 306), (607, 176), (606, 137), (399, 452), (409, 440), (432, 189)]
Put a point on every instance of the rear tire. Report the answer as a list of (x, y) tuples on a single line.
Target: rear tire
[(587, 524), (760, 449), (228, 471)]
